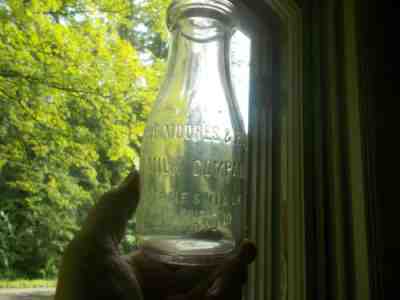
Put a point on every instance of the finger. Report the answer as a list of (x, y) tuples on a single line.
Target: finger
[(108, 219), (247, 252), (155, 278), (231, 276), (122, 278), (220, 290), (245, 255), (226, 281), (158, 280)]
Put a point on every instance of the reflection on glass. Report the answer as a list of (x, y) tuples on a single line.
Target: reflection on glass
[(240, 72)]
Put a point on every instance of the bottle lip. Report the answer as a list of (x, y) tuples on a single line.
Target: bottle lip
[(223, 10)]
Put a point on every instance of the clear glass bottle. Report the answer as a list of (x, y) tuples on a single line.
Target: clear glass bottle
[(194, 145)]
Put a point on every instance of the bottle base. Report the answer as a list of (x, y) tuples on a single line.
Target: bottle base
[(188, 251)]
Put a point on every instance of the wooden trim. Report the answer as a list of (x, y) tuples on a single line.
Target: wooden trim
[(276, 191)]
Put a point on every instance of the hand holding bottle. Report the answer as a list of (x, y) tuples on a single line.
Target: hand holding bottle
[(93, 268)]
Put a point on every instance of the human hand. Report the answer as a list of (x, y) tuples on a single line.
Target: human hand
[(93, 268)]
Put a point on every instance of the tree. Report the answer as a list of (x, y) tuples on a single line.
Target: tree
[(75, 91)]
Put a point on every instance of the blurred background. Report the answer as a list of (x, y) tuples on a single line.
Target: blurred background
[(77, 82)]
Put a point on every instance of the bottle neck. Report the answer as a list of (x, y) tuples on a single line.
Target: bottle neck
[(198, 57), (198, 86)]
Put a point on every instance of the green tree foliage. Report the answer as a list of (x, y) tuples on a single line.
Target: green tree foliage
[(77, 80)]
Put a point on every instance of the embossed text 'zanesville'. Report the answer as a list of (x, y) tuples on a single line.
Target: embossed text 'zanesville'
[(194, 132), (206, 168)]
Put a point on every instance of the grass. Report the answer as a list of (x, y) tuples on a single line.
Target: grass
[(27, 283)]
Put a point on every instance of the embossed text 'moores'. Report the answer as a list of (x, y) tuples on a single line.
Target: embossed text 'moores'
[(192, 162)]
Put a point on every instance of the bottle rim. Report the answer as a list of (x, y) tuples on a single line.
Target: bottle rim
[(223, 10)]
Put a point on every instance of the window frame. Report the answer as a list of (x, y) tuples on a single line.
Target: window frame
[(322, 172), (276, 154)]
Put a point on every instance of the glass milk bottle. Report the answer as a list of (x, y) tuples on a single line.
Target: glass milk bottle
[(194, 145)]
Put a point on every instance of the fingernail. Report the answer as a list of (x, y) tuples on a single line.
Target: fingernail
[(248, 251), (214, 290)]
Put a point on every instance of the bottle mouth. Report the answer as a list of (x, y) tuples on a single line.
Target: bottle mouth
[(221, 10)]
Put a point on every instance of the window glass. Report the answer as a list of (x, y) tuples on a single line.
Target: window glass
[(240, 69), (77, 82)]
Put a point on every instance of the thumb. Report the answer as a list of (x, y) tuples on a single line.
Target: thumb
[(110, 215), (130, 185)]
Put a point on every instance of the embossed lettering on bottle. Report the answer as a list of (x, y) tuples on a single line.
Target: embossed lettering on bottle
[(192, 163)]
